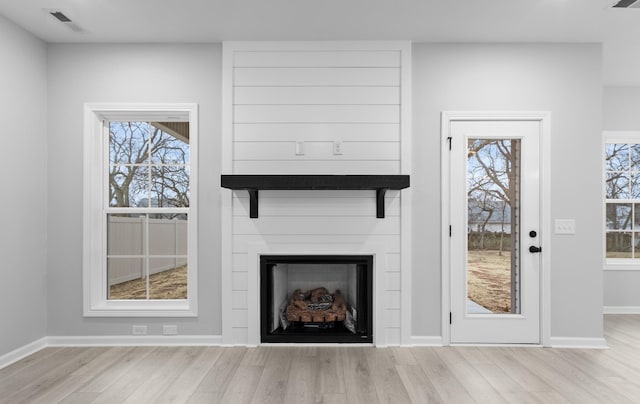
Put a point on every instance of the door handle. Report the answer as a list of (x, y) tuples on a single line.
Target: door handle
[(534, 249)]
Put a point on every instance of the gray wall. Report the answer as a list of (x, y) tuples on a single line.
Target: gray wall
[(563, 79), (127, 73), (621, 105), (23, 200)]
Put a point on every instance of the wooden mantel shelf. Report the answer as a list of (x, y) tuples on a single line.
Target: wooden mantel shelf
[(254, 183)]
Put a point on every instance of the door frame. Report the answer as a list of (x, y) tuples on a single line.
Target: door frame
[(544, 117)]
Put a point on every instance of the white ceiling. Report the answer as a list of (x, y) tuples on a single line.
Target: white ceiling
[(416, 20)]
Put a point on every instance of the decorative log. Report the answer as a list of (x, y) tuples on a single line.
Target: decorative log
[(303, 307)]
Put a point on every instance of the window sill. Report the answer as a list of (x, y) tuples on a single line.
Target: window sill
[(622, 266), (148, 308)]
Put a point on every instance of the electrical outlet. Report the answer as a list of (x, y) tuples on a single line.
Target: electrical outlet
[(139, 330), (565, 226), (170, 329), (337, 147), (299, 148)]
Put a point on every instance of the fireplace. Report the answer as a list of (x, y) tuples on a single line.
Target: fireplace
[(316, 298)]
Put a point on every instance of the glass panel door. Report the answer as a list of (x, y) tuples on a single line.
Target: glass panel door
[(493, 198)]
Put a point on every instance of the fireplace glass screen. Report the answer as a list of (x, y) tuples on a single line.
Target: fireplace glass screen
[(316, 298)]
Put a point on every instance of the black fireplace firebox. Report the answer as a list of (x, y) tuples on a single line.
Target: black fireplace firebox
[(316, 298)]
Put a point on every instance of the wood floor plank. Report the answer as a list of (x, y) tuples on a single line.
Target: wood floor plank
[(215, 382), (418, 386), (181, 389), (474, 382), (518, 371), (386, 380), (447, 385), (255, 357), (42, 384), (403, 356), (151, 389), (357, 376), (78, 378), (330, 373), (327, 398), (303, 374), (26, 374), (136, 375), (272, 387), (121, 367), (79, 397), (241, 388), (30, 360), (570, 385)]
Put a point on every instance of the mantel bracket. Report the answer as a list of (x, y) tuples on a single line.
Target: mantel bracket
[(380, 192), (253, 203)]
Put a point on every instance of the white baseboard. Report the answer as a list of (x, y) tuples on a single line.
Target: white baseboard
[(22, 352), (574, 342), (421, 340), (621, 310), (136, 340), (216, 340)]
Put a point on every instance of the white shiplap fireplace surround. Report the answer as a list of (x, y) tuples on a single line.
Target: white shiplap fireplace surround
[(287, 106)]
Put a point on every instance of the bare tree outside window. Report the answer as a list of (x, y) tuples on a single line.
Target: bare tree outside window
[(622, 187), (148, 166)]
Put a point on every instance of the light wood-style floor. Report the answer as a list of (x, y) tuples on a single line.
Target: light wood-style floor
[(332, 374)]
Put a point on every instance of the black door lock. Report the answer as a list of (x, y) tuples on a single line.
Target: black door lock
[(534, 249)]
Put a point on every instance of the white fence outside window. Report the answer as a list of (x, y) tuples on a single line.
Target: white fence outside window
[(164, 246)]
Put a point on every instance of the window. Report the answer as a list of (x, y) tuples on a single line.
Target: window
[(139, 214), (622, 199)]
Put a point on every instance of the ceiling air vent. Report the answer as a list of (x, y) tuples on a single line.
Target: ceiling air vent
[(62, 17), (627, 4)]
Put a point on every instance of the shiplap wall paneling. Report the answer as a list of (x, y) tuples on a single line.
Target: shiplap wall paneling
[(291, 132), (316, 76), (317, 97), (240, 243), (314, 150), (315, 58), (329, 167), (334, 95)]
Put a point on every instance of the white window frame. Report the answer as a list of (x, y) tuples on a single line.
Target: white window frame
[(615, 264), (94, 269)]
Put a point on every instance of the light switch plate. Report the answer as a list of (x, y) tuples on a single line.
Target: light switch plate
[(565, 226)]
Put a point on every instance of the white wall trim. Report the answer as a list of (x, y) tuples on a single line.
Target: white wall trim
[(226, 218), (621, 310), (22, 352), (95, 302), (406, 167), (578, 343), (614, 264), (545, 210), (426, 341)]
